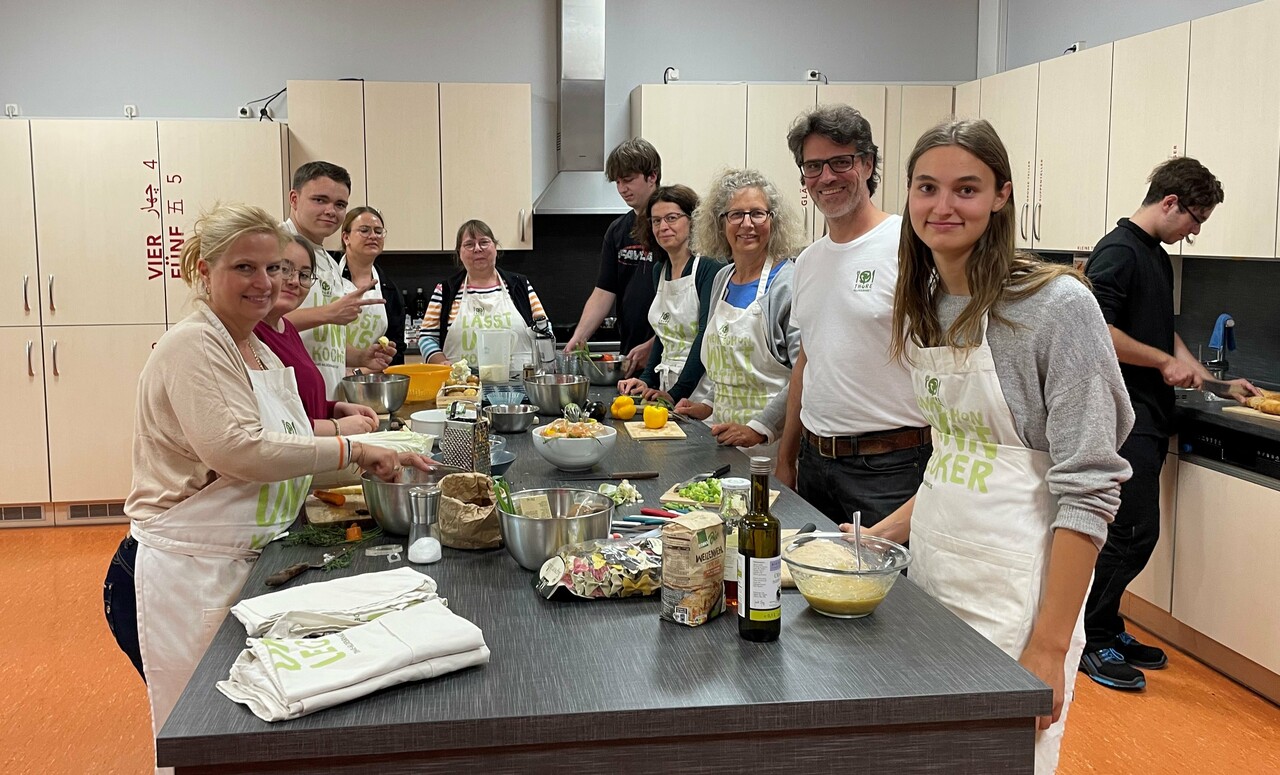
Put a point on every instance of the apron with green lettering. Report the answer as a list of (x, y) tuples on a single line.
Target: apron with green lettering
[(487, 312), (372, 322), (674, 319)]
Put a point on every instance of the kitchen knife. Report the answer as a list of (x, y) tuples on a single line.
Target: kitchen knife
[(616, 476), (716, 474), (1219, 389), (293, 571)]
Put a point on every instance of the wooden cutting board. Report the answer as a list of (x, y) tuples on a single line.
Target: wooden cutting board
[(639, 432), (321, 513), (670, 497), (1253, 413)]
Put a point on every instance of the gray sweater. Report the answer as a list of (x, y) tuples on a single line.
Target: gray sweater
[(1059, 374), (784, 340)]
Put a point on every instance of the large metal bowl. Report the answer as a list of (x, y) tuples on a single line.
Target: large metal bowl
[(576, 516), (383, 393), (606, 373), (551, 393), (389, 501), (511, 418)]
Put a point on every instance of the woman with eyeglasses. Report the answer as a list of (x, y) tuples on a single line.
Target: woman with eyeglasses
[(479, 298), (328, 418), (750, 341), (363, 238), (223, 456), (682, 284)]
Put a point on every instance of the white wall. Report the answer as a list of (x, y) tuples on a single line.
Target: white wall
[(1043, 29), (184, 58)]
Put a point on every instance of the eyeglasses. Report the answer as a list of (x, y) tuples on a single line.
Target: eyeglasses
[(305, 277), (842, 163), (375, 231), (757, 216), (1199, 221), (669, 220), (480, 244)]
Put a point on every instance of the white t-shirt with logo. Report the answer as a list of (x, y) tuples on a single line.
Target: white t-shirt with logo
[(843, 304)]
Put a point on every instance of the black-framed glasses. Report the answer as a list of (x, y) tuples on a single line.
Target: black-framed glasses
[(670, 219), (305, 277), (1199, 221), (812, 168), (737, 216)]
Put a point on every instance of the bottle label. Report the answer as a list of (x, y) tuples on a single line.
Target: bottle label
[(763, 601)]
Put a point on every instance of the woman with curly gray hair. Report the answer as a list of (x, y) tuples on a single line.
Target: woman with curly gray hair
[(750, 341)]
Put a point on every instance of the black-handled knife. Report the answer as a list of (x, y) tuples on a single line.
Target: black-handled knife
[(619, 475)]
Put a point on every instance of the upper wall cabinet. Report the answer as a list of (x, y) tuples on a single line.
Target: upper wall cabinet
[(871, 103), (911, 111), (1009, 103), (204, 163), (1233, 109), (19, 274), (99, 234), (770, 110), (698, 129), (486, 160), (969, 100), (402, 143), (1074, 111), (326, 123)]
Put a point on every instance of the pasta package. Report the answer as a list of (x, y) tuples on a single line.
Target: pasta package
[(693, 568), (604, 569)]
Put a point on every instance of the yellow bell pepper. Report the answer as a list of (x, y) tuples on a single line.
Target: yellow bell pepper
[(623, 408), (655, 416)]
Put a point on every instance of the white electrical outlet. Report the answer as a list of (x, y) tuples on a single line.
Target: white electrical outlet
[(244, 111), (673, 74), (270, 112), (130, 111), (811, 75), (11, 110)]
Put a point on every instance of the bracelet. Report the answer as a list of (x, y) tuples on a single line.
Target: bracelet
[(336, 430), (351, 451), (341, 446)]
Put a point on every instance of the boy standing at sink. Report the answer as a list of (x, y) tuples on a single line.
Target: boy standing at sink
[(1133, 281)]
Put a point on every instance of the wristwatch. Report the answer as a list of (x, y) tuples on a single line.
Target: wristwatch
[(356, 372)]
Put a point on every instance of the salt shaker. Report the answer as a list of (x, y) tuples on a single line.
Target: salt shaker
[(424, 543)]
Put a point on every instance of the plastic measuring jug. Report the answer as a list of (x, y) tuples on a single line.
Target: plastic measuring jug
[(493, 355)]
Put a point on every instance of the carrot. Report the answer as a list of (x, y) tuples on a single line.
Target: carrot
[(331, 498)]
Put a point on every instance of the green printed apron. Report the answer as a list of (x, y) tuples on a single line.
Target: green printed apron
[(674, 319), (327, 344), (372, 323), (194, 558), (981, 530), (487, 312)]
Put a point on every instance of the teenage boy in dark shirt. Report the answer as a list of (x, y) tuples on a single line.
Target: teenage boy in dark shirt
[(626, 267), (1132, 279)]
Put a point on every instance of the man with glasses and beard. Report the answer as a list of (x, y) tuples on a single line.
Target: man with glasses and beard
[(854, 439)]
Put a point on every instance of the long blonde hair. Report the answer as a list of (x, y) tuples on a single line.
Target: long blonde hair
[(996, 271), (217, 230)]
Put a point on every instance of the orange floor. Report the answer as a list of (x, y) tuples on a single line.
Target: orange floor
[(72, 703)]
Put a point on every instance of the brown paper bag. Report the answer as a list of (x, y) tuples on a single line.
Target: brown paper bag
[(468, 512)]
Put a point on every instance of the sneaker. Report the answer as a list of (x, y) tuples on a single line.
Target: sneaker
[(1139, 655), (1107, 667)]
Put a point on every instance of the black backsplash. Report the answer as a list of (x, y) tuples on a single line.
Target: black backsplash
[(1247, 290), (562, 265)]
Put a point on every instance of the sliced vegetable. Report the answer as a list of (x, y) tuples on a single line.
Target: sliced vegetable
[(707, 491), (331, 498)]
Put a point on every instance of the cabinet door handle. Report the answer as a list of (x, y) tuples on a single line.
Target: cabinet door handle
[(1022, 225), (51, 307), (1035, 223), (55, 359), (522, 224), (31, 370), (26, 299), (806, 219), (1191, 239)]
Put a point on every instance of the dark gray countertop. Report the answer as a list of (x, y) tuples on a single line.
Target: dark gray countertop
[(609, 670), (1191, 405)]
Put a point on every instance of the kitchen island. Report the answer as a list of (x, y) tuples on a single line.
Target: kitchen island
[(604, 685)]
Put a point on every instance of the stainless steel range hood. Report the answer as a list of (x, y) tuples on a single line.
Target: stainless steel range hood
[(580, 185)]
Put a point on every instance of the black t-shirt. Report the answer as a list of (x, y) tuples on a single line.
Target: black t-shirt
[(1133, 281), (626, 270)]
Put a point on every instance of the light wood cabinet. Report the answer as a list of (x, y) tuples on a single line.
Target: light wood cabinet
[(1233, 106), (1155, 583), (698, 129), (1224, 569), (204, 163), (91, 384), (1009, 102), (19, 274), (26, 478), (871, 103), (770, 110), (402, 157), (1072, 125), (99, 235), (326, 123), (912, 111), (486, 160), (969, 100)]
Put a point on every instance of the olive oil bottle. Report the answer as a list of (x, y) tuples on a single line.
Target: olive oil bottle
[(760, 562)]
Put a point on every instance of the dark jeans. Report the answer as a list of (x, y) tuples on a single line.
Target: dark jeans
[(875, 485), (119, 604), (1130, 539)]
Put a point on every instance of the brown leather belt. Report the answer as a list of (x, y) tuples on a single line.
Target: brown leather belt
[(876, 443)]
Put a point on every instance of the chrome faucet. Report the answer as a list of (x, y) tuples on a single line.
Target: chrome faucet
[(1218, 366)]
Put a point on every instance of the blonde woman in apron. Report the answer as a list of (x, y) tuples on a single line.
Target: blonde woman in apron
[(682, 299), (480, 298), (223, 456), (1025, 474), (363, 238), (750, 342)]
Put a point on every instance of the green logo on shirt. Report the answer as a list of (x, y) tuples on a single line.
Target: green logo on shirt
[(931, 384), (864, 280)]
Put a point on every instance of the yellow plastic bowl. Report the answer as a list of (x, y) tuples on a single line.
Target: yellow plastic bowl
[(425, 380)]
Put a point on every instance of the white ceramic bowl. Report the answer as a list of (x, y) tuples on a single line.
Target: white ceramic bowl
[(429, 421), (574, 454)]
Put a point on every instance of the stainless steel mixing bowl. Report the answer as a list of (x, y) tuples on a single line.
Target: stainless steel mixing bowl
[(383, 393)]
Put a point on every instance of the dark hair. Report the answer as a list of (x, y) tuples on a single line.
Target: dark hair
[(308, 246), (682, 196), (354, 213), (842, 125), (473, 226), (320, 169), (635, 156), (1187, 179)]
